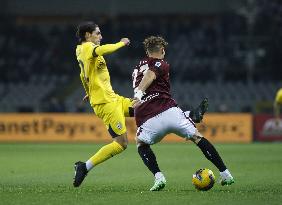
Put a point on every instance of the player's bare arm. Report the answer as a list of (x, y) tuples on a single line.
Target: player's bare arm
[(146, 81)]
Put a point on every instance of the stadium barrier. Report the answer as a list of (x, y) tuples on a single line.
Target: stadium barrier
[(266, 128), (88, 127)]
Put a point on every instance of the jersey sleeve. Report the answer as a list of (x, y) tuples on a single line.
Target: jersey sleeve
[(107, 48), (156, 67)]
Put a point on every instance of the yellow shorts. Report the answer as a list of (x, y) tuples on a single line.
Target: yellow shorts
[(113, 114)]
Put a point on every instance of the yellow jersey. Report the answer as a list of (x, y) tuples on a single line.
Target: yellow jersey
[(94, 73), (278, 98)]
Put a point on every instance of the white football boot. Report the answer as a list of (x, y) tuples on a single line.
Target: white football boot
[(160, 182), (226, 178)]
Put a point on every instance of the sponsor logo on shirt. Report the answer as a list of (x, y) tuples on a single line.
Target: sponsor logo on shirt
[(150, 97)]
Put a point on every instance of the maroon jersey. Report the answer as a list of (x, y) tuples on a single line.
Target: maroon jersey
[(157, 98)]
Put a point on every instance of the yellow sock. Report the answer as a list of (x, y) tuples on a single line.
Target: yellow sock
[(106, 152)]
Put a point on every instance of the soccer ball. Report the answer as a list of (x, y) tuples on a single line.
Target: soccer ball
[(203, 179)]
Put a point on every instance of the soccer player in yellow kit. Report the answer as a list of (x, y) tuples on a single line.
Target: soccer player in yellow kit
[(108, 105), (277, 104)]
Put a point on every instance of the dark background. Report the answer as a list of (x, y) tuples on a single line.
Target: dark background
[(228, 51)]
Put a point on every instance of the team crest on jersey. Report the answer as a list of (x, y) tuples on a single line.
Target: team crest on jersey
[(158, 64), (119, 125), (101, 63)]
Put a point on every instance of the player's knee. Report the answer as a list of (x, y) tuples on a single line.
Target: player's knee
[(122, 140), (124, 144), (140, 143), (196, 137)]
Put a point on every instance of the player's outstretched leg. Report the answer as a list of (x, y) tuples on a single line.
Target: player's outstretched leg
[(149, 159), (212, 155), (197, 114), (80, 173), (105, 153)]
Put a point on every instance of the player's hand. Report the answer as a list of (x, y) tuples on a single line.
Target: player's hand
[(126, 41), (136, 102), (85, 98)]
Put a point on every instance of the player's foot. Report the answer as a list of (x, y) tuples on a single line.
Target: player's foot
[(79, 174), (198, 113), (227, 182), (159, 184), (226, 178)]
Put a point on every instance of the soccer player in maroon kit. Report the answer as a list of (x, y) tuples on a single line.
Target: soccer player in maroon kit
[(157, 113)]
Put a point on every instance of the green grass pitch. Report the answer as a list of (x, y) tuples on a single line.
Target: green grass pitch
[(42, 174)]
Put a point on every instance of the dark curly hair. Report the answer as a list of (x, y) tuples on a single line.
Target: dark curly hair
[(154, 44), (88, 26)]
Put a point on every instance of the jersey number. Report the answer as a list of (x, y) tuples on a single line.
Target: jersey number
[(81, 64), (143, 69)]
